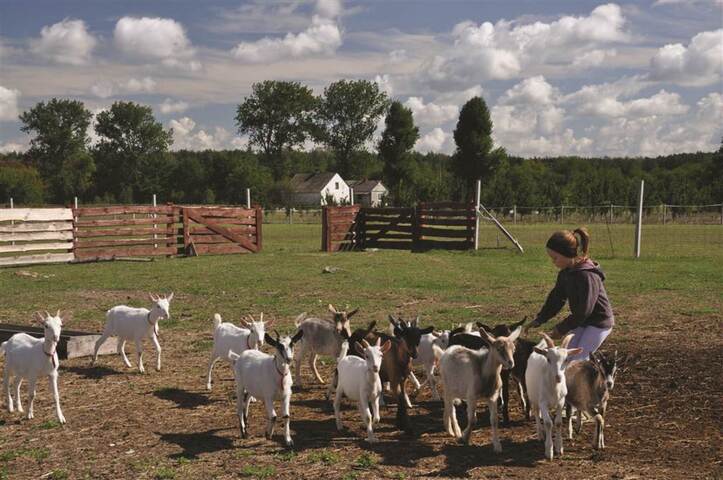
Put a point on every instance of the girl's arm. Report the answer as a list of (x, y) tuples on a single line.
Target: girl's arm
[(555, 301), (582, 302)]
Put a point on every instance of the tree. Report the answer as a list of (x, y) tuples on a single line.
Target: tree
[(474, 158), (277, 116), (21, 183), (397, 141), (348, 114), (131, 152), (59, 148)]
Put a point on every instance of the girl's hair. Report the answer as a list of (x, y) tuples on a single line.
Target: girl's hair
[(568, 244)]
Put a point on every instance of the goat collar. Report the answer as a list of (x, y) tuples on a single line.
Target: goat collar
[(282, 373), (148, 318), (52, 357), (248, 347)]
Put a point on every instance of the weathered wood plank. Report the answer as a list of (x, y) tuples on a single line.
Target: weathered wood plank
[(116, 232), (118, 242), (84, 346), (446, 232), (242, 230), (35, 214), (229, 212), (445, 206), (446, 213), (461, 222), (36, 227), (118, 222), (222, 231), (35, 236), (35, 247), (388, 211), (36, 259), (125, 209), (198, 239), (370, 236), (391, 219), (81, 253)]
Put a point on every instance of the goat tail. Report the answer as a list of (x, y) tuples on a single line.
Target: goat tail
[(300, 318), (2, 348), (233, 356), (216, 321), (344, 350)]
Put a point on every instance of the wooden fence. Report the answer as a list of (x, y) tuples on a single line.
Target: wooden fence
[(446, 225), (98, 233)]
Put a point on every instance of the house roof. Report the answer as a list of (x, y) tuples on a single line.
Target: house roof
[(364, 186), (310, 182)]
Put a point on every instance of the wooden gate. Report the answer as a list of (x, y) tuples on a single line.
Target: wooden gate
[(35, 235), (221, 230)]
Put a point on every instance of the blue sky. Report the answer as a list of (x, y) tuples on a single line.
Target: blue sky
[(560, 77)]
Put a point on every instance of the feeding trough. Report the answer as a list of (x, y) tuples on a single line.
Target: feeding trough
[(72, 343)]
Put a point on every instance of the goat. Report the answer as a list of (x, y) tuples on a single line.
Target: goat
[(128, 323), (321, 337), (589, 383), (227, 337), (523, 350), (473, 374), (358, 379), (426, 358), (28, 357), (547, 388), (267, 377)]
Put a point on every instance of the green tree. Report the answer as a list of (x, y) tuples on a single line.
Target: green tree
[(348, 114), (474, 158), (277, 116), (59, 148), (21, 183), (132, 152), (395, 146)]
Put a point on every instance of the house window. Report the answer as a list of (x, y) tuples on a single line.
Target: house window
[(337, 185)]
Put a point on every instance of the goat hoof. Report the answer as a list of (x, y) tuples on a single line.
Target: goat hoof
[(289, 443)]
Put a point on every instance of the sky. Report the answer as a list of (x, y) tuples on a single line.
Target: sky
[(573, 77)]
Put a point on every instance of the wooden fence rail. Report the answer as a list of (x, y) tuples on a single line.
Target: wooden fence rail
[(430, 225), (49, 235)]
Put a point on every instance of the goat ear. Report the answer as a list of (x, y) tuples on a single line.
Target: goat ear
[(386, 346), (518, 324), (415, 322), (332, 309), (514, 335), (352, 313), (297, 337), (482, 325), (364, 343), (574, 351), (269, 339), (540, 351), (371, 326), (359, 349), (566, 340), (245, 323), (392, 320), (170, 297), (153, 298), (427, 330), (65, 317), (378, 342), (37, 318), (270, 323), (548, 340)]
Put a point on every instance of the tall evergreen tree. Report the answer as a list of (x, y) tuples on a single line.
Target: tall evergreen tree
[(395, 146)]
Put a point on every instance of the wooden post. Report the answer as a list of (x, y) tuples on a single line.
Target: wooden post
[(477, 196), (351, 196), (186, 231), (611, 213), (639, 224), (324, 229), (259, 229), (416, 229), (12, 222), (171, 240), (721, 213), (155, 245), (562, 213), (514, 215), (665, 213), (248, 198)]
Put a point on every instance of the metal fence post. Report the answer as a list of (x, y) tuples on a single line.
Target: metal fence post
[(155, 245), (12, 222), (639, 224), (514, 214), (562, 214), (477, 196), (248, 198)]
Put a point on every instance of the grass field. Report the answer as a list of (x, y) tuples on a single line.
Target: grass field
[(664, 417)]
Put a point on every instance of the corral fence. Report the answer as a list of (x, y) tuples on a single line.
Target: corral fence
[(52, 235), (444, 225)]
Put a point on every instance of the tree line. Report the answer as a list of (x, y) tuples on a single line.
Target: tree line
[(131, 158)]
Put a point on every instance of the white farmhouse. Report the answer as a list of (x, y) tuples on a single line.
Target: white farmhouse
[(369, 193), (313, 189)]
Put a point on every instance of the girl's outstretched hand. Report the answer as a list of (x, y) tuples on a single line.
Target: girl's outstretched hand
[(555, 334)]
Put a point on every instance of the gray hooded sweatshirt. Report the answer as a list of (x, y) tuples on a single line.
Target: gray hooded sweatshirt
[(582, 286)]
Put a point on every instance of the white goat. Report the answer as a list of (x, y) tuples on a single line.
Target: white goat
[(128, 323), (29, 357), (425, 357), (266, 377), (472, 374), (547, 388), (228, 337), (358, 379)]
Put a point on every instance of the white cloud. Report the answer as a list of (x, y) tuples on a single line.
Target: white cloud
[(384, 83), (322, 37), (155, 39), (13, 146), (505, 49), (434, 141), (65, 42), (700, 63), (169, 106), (187, 137), (398, 56), (107, 88), (9, 104), (328, 8), (717, 3), (593, 58), (431, 113), (533, 90)]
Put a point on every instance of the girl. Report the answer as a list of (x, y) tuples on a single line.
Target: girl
[(579, 282)]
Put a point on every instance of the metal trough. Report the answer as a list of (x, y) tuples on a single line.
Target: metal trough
[(72, 344)]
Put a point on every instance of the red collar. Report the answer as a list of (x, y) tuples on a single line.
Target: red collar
[(281, 374), (52, 357), (248, 347)]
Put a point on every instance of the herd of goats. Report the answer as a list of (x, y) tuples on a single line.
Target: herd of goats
[(474, 361)]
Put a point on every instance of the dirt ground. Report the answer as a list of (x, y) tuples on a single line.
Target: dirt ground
[(664, 421)]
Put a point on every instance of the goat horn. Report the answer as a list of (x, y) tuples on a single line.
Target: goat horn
[(57, 314), (277, 335), (548, 340), (46, 314), (364, 343)]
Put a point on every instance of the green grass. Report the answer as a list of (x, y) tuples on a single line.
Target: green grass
[(444, 287), (59, 474), (324, 456), (364, 461), (48, 424), (165, 473), (257, 472)]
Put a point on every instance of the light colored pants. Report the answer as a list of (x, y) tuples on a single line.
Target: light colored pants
[(589, 339)]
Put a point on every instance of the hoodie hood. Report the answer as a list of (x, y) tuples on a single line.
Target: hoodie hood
[(588, 265)]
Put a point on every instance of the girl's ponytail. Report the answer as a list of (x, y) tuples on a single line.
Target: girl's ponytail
[(583, 249)]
